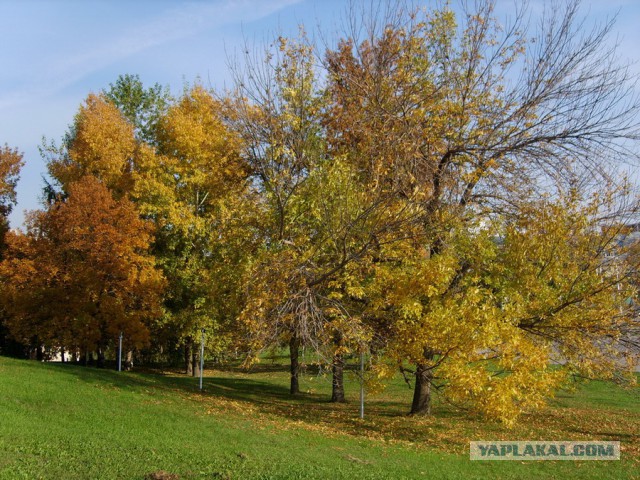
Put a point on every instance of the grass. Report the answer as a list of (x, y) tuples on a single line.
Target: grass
[(63, 421)]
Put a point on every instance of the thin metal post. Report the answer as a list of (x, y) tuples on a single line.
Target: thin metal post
[(201, 358), (362, 384), (120, 353)]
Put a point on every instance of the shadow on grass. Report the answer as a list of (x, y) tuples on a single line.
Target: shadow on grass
[(256, 392), (132, 381), (238, 389), (264, 391)]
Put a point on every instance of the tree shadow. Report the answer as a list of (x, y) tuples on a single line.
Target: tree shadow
[(122, 380), (263, 391), (250, 391), (243, 388)]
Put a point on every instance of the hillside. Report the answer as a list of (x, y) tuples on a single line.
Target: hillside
[(63, 421)]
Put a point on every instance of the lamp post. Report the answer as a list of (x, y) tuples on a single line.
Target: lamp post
[(201, 358), (120, 353), (362, 383)]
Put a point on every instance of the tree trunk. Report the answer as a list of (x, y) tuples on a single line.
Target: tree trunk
[(294, 353), (62, 355), (422, 392), (188, 365), (337, 389), (196, 364), (101, 360), (128, 363)]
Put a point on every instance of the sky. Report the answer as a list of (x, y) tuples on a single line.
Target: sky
[(54, 53)]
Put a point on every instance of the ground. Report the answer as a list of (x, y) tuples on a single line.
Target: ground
[(64, 421)]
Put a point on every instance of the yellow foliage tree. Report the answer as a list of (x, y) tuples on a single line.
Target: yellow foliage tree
[(101, 143), (503, 315), (193, 186), (428, 107)]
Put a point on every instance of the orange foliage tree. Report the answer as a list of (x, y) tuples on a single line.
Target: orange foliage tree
[(81, 274), (185, 175), (10, 164)]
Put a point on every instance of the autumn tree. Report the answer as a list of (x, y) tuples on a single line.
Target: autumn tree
[(10, 165), (275, 110), (469, 121), (501, 304), (190, 187), (100, 143), (82, 274), (180, 165), (316, 218)]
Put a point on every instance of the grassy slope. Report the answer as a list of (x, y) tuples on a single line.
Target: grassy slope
[(62, 421)]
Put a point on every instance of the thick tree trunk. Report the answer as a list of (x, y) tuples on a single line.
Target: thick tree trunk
[(294, 353), (62, 354), (196, 364), (128, 363), (337, 388), (188, 365), (101, 360), (422, 392)]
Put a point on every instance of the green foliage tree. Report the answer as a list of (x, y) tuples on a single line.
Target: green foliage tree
[(143, 107)]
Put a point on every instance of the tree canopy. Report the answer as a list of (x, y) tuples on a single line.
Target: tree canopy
[(82, 273), (434, 188)]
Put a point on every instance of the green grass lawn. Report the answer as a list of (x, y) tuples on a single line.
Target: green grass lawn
[(69, 422)]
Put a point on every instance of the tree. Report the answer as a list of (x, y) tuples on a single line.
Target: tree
[(82, 274), (101, 143), (469, 122), (142, 107), (180, 165), (308, 216), (316, 215), (275, 110), (10, 164), (499, 305), (191, 187)]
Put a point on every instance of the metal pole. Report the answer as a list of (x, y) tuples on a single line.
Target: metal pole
[(362, 384), (201, 358), (120, 353)]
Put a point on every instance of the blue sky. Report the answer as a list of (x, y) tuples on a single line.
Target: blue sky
[(53, 53)]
